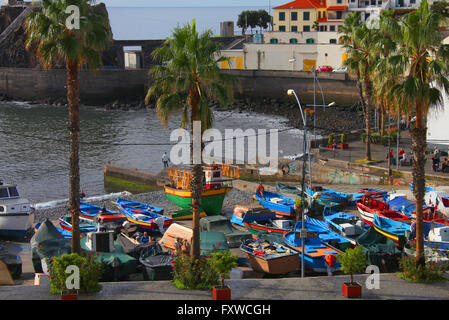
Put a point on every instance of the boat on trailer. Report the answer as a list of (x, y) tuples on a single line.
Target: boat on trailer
[(16, 214)]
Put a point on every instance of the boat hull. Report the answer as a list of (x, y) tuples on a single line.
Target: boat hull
[(16, 225), (211, 199), (278, 265), (255, 228)]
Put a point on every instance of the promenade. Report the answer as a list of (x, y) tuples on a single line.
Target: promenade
[(310, 288)]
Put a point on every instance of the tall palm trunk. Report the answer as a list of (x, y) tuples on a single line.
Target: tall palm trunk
[(368, 97), (418, 135), (382, 121), (74, 179), (197, 179)]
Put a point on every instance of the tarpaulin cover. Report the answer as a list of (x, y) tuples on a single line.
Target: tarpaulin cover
[(221, 224), (318, 206), (130, 248), (402, 204), (380, 250), (212, 240), (13, 263), (47, 242)]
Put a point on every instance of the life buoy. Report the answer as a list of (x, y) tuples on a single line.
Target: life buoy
[(330, 259), (260, 190)]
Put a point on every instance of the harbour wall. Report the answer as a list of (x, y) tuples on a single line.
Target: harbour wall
[(106, 86)]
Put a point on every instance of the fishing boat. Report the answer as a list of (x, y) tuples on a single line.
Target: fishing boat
[(345, 224), (214, 191), (315, 251), (256, 223), (436, 235), (239, 212), (374, 193), (288, 190), (270, 257), (325, 234), (439, 200), (85, 225), (327, 196), (408, 207), (281, 205), (369, 206), (145, 216), (16, 214), (222, 224), (90, 211), (394, 230)]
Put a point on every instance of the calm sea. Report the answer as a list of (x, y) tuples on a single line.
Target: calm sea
[(157, 23)]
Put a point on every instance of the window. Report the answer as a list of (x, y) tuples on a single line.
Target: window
[(334, 41), (339, 1), (282, 28), (339, 14), (331, 28), (4, 193), (293, 40), (274, 40), (306, 28), (281, 16), (413, 1), (306, 16), (324, 14), (319, 15), (13, 192), (294, 28), (294, 16)]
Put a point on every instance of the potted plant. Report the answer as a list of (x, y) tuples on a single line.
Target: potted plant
[(330, 140), (343, 141), (352, 260), (89, 272), (222, 262)]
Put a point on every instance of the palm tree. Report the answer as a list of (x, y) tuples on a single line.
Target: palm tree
[(359, 41), (56, 41), (424, 62), (188, 79)]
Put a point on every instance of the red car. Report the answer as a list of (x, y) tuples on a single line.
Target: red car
[(325, 69)]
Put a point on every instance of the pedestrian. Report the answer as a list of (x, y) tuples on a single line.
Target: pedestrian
[(445, 165), (400, 153), (145, 239), (165, 160), (403, 159), (392, 159), (435, 163)]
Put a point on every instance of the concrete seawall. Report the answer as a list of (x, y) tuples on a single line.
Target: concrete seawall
[(106, 86)]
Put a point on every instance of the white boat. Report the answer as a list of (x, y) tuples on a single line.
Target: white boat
[(437, 198), (16, 215)]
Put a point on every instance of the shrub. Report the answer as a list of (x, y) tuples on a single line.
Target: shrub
[(223, 262), (189, 273), (432, 271), (90, 273), (363, 136), (331, 139), (343, 138), (352, 261), (298, 203)]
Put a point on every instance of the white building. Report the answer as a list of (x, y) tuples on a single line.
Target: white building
[(291, 51)]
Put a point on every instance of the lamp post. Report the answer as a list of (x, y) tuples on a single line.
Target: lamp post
[(303, 231)]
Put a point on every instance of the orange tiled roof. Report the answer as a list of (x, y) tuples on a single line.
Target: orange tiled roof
[(338, 8), (303, 4)]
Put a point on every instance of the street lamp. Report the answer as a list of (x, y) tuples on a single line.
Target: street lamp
[(302, 231)]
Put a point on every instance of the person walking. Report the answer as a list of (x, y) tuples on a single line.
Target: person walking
[(165, 160), (435, 163)]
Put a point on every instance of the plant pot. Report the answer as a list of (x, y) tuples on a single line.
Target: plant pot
[(69, 295), (329, 146), (352, 290), (344, 146), (221, 293)]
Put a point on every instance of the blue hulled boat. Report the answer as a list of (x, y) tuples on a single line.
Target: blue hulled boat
[(145, 216), (90, 211), (345, 224), (315, 251), (394, 230), (325, 234), (85, 225), (281, 205), (436, 235)]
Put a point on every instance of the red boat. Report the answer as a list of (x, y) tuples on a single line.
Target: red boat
[(368, 206)]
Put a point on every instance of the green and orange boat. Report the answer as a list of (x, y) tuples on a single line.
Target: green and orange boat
[(212, 196)]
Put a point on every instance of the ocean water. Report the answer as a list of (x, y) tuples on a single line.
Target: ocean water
[(35, 149), (131, 23)]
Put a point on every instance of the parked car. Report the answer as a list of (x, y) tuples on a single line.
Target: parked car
[(324, 69), (341, 70)]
